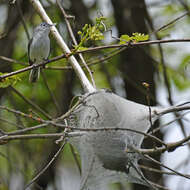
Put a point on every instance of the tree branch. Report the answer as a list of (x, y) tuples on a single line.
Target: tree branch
[(80, 73)]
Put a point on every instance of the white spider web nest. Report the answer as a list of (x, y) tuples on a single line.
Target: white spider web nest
[(103, 156)]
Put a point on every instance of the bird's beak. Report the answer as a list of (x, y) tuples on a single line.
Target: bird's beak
[(50, 25), (54, 24)]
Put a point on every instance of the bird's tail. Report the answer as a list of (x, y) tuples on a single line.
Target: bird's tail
[(34, 74)]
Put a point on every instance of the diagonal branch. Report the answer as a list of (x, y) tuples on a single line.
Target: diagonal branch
[(35, 106), (75, 41), (87, 86), (48, 165), (92, 49)]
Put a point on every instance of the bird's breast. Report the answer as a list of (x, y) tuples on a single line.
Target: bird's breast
[(39, 49)]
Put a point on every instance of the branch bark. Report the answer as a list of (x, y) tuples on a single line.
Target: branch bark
[(87, 86)]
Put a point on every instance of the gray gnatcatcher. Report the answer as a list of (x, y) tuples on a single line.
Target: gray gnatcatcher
[(39, 48)]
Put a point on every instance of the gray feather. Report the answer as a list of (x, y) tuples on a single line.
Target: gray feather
[(34, 75), (38, 49)]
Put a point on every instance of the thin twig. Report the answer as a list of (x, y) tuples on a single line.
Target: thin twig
[(157, 170), (47, 166), (51, 93), (170, 23), (69, 111), (22, 20), (134, 44), (35, 106), (31, 67), (12, 101), (10, 123), (39, 136), (165, 74), (75, 157), (158, 150), (2, 132), (171, 109), (91, 63), (88, 130), (74, 40), (91, 50), (10, 60), (139, 172), (27, 129), (22, 114), (168, 123), (160, 164), (90, 163)]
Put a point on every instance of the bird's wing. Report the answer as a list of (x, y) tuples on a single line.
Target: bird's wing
[(29, 43), (50, 48)]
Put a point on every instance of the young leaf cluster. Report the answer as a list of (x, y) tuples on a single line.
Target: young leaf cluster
[(91, 33), (136, 37), (9, 81)]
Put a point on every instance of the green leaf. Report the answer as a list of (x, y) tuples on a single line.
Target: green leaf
[(81, 48), (79, 33), (9, 81), (91, 32), (136, 37), (140, 37), (124, 38), (179, 78), (185, 62), (100, 19)]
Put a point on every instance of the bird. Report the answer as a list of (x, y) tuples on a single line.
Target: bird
[(39, 49)]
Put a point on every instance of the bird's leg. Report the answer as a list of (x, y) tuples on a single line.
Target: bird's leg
[(45, 59), (127, 168), (32, 62)]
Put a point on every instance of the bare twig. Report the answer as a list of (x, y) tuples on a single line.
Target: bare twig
[(31, 67), (93, 62), (158, 150), (87, 86), (22, 19), (157, 170), (78, 129), (23, 114), (18, 119), (165, 74), (75, 157), (91, 161), (47, 166), (39, 136), (2, 132), (67, 55), (168, 123), (151, 42), (35, 106), (69, 112), (159, 163), (51, 93), (10, 123), (27, 129), (12, 60), (170, 23), (74, 40), (171, 109)]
